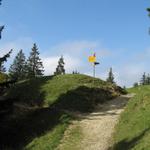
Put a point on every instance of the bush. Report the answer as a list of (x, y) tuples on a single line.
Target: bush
[(3, 77)]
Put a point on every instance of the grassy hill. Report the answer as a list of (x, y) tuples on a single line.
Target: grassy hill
[(39, 119), (133, 129), (76, 92)]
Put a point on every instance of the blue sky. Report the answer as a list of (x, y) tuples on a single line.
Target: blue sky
[(117, 30)]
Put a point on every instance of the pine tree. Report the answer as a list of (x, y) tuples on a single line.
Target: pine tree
[(7, 104), (60, 67), (34, 63), (148, 9), (4, 58), (135, 84), (143, 79), (110, 76), (148, 79), (2, 68), (18, 68), (1, 27), (124, 87), (75, 72)]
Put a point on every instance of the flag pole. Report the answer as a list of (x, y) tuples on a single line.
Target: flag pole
[(93, 73), (94, 70), (92, 59)]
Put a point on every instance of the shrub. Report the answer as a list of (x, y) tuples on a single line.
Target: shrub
[(3, 77)]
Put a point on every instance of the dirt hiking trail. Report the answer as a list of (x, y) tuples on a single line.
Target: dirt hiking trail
[(97, 127)]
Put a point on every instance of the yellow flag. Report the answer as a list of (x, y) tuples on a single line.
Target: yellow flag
[(92, 58)]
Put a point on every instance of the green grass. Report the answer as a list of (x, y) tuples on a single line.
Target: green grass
[(73, 139), (133, 129), (50, 140), (38, 129), (43, 126), (76, 92), (48, 89)]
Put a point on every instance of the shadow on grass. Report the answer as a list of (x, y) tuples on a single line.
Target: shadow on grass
[(22, 91), (129, 144), (19, 128), (16, 133), (99, 105), (83, 99)]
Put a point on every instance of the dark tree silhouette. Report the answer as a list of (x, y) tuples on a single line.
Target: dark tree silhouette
[(60, 67), (34, 63), (148, 9), (6, 105), (75, 72), (143, 79), (1, 29), (148, 79), (110, 76), (135, 84), (4, 58), (17, 70)]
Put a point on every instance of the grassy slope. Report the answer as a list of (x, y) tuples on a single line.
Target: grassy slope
[(50, 140), (133, 129), (36, 129), (72, 140), (69, 90), (48, 89), (41, 128)]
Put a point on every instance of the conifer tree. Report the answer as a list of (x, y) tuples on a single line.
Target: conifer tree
[(110, 76), (75, 72), (4, 58), (60, 67), (135, 84), (143, 79), (148, 79), (34, 63), (18, 68), (2, 68)]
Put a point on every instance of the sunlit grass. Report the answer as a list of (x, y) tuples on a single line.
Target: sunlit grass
[(133, 129)]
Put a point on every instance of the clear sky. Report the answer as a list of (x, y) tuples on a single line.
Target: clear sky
[(117, 30)]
